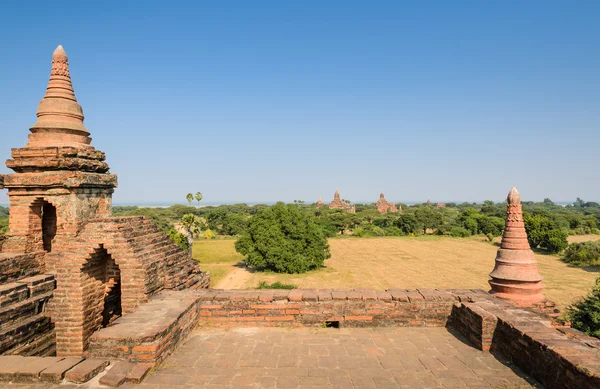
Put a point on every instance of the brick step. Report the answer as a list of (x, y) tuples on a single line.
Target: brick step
[(137, 228), (151, 332), (49, 369), (44, 345), (23, 331), (146, 236), (86, 370), (16, 266), (11, 314), (165, 243), (162, 254), (124, 371), (12, 293)]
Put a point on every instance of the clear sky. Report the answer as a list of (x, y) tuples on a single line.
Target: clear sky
[(281, 100)]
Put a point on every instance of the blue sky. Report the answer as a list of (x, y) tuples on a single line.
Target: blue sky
[(283, 100)]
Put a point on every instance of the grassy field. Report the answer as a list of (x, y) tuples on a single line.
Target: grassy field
[(216, 256), (432, 262)]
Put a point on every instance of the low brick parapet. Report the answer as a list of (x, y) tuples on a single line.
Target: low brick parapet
[(355, 308), (561, 358)]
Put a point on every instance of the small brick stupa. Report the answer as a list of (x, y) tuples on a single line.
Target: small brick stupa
[(384, 207), (338, 203), (515, 276), (61, 230), (320, 202)]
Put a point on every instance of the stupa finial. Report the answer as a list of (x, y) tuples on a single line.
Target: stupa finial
[(60, 117), (514, 197)]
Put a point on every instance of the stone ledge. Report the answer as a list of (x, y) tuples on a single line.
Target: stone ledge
[(60, 179)]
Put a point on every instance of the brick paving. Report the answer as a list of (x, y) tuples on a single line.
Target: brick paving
[(329, 358)]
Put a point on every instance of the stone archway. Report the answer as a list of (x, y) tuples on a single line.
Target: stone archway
[(101, 292)]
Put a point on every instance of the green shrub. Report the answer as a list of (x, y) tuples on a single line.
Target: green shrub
[(209, 234), (179, 239), (585, 314), (583, 253), (275, 285), (544, 232), (3, 226), (368, 230), (283, 239), (555, 241), (393, 231), (460, 232)]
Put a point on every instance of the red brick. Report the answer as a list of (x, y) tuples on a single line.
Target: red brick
[(358, 318), (279, 318)]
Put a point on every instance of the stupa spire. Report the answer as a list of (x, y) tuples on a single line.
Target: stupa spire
[(337, 194), (515, 276), (60, 117)]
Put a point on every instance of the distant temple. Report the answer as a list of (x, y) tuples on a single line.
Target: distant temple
[(440, 205), (384, 207), (320, 202), (337, 203)]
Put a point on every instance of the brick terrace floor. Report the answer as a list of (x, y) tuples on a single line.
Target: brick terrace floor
[(329, 358)]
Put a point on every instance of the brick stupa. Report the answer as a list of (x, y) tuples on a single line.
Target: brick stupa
[(61, 228), (515, 276)]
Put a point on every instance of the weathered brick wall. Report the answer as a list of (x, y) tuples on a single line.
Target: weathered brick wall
[(74, 207), (15, 266), (557, 358), (351, 308), (147, 262), (25, 327), (475, 324)]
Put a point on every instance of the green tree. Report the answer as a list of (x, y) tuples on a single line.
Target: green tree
[(544, 232), (409, 224), (189, 197), (585, 314), (284, 239), (428, 218)]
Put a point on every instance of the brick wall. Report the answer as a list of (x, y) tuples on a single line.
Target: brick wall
[(25, 327), (349, 308)]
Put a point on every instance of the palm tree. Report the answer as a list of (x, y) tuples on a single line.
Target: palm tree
[(198, 197), (192, 225), (190, 197)]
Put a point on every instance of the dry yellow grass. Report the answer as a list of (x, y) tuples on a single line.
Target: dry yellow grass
[(583, 238), (432, 262)]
